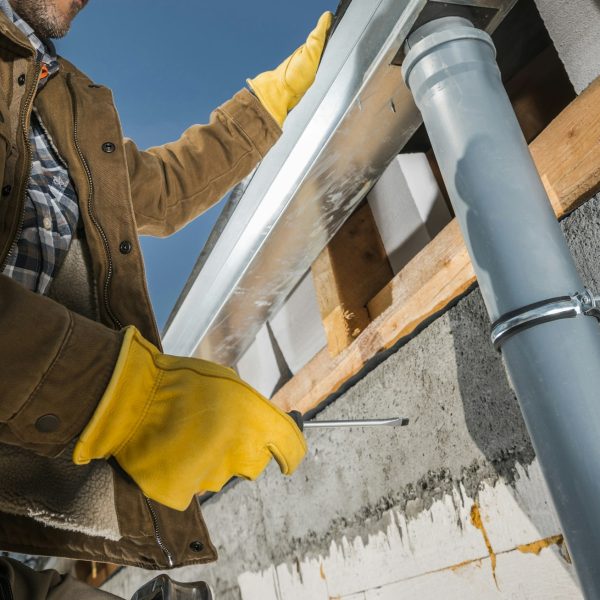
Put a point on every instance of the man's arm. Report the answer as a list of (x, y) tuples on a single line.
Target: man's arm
[(174, 183), (56, 365)]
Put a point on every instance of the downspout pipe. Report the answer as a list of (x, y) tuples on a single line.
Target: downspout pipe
[(521, 260)]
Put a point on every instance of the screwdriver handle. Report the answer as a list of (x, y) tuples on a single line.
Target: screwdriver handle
[(298, 419)]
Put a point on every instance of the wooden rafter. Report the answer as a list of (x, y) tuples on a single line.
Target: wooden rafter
[(348, 272)]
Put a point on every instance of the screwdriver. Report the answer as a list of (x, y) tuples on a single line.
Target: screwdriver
[(302, 424)]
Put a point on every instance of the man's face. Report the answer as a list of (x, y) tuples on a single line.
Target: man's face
[(49, 18)]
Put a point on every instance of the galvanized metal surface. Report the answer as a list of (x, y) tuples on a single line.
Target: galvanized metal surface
[(521, 258), (356, 117), (583, 304), (393, 422)]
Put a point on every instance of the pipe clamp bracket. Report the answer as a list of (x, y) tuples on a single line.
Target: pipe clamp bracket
[(565, 307)]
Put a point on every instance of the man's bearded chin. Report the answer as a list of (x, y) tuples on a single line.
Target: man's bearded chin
[(44, 18)]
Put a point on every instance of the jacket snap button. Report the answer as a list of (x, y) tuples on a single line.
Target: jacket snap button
[(6, 190), (125, 247), (196, 546), (22, 79), (108, 147), (47, 424)]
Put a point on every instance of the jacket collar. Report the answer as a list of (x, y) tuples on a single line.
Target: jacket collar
[(12, 33), (6, 8), (45, 51)]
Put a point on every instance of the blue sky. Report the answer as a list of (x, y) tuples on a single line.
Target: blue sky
[(169, 64)]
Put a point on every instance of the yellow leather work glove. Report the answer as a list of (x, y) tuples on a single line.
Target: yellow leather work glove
[(179, 426), (280, 90)]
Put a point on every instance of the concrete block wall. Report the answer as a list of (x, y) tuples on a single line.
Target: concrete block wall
[(297, 326), (408, 208), (259, 365), (452, 506), (284, 345), (573, 26)]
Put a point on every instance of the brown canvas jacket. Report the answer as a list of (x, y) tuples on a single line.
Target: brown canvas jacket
[(55, 364)]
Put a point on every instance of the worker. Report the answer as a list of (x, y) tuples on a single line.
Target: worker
[(105, 440)]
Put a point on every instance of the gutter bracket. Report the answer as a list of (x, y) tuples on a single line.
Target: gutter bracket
[(564, 307)]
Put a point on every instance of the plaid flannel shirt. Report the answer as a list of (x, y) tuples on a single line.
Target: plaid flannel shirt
[(51, 210)]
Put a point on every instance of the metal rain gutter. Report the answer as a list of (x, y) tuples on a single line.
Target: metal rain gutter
[(355, 118)]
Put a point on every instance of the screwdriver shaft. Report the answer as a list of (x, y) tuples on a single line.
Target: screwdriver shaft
[(394, 422)]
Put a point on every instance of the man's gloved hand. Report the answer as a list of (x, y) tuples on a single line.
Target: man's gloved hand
[(179, 426), (280, 90)]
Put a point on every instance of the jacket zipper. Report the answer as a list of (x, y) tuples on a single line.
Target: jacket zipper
[(28, 101), (155, 524), (90, 208), (157, 535)]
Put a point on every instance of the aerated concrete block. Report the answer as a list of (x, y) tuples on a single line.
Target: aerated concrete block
[(408, 208), (297, 326), (574, 26), (258, 365)]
